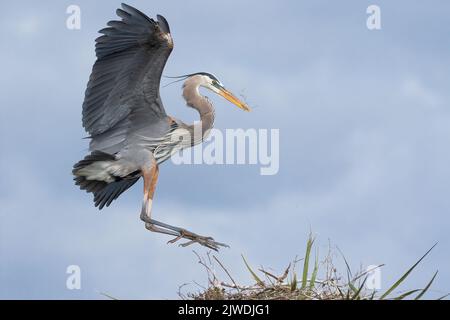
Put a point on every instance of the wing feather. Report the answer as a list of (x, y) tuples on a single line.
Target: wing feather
[(123, 89)]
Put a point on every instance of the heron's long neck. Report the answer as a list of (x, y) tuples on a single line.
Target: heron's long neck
[(194, 99)]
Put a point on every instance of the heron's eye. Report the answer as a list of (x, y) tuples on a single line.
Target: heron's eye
[(217, 84)]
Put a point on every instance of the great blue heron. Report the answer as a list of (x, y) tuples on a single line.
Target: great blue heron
[(130, 132)]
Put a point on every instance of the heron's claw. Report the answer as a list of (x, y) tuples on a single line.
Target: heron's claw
[(195, 238), (180, 233)]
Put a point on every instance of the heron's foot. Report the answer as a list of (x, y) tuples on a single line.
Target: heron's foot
[(195, 238), (180, 233)]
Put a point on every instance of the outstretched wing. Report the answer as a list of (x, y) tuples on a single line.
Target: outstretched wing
[(123, 90)]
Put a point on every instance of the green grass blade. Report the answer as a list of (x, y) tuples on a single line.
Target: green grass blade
[(406, 294), (426, 287), (349, 271), (351, 286), (312, 282), (349, 274), (357, 293), (108, 296), (309, 245), (444, 296), (399, 281), (340, 292), (294, 282), (254, 275)]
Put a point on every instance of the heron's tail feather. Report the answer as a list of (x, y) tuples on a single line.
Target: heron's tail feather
[(95, 174)]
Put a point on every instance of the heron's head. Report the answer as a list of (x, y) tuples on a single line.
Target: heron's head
[(209, 81), (212, 83)]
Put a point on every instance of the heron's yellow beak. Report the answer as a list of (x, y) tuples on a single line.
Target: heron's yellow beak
[(232, 98)]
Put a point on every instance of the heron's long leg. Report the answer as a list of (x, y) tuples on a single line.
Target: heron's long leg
[(150, 179)]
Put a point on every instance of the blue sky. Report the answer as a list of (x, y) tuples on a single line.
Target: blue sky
[(364, 135)]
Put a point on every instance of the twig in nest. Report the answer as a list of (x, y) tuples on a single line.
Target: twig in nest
[(226, 271)]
